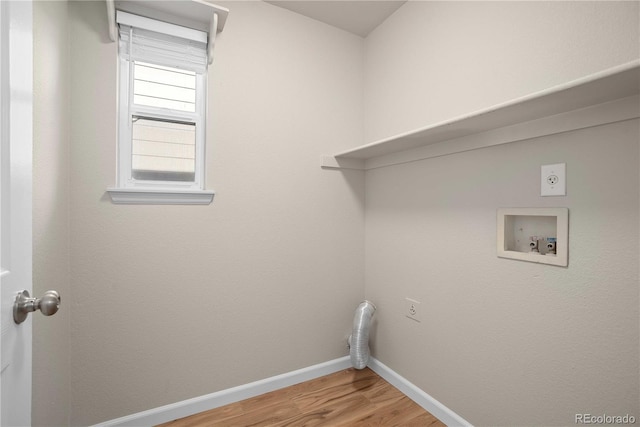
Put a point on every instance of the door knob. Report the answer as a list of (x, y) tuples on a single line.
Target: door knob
[(24, 304)]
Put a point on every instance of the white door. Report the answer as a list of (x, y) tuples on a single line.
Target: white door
[(15, 207)]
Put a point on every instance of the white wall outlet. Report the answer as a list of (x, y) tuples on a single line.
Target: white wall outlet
[(553, 180), (413, 310)]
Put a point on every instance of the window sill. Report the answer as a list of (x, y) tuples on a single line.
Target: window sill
[(139, 196)]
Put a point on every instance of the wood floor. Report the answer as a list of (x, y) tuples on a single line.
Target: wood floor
[(345, 398)]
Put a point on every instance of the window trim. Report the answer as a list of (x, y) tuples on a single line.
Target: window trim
[(127, 109), (148, 196), (129, 190)]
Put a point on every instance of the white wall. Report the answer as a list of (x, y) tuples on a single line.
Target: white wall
[(51, 335), (503, 342), (172, 302), (506, 342), (435, 60)]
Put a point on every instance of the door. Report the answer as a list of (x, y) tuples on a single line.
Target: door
[(16, 91)]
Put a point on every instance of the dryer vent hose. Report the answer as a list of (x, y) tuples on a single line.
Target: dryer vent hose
[(359, 339)]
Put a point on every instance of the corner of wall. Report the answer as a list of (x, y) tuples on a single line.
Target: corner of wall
[(51, 257)]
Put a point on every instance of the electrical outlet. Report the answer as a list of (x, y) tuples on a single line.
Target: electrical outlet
[(553, 180), (413, 310)]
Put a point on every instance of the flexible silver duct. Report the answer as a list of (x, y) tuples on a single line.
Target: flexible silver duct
[(359, 339)]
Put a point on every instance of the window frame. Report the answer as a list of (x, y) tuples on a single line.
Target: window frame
[(137, 191), (127, 110)]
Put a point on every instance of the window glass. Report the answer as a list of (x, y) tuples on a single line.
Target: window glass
[(163, 150), (164, 87)]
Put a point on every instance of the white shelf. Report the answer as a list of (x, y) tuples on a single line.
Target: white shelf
[(612, 85), (195, 14)]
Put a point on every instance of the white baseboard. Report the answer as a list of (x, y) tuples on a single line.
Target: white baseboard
[(414, 393), (188, 407)]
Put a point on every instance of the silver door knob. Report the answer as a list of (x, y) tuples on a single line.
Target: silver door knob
[(48, 305)]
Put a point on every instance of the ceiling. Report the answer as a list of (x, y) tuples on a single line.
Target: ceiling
[(359, 17)]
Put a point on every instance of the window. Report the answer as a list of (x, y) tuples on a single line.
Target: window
[(162, 106)]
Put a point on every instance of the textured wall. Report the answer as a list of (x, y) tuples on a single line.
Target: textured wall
[(172, 302), (503, 342), (506, 342), (175, 302), (435, 60), (51, 339)]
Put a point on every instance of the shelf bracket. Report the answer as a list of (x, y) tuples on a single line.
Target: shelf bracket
[(111, 18), (213, 31), (331, 162)]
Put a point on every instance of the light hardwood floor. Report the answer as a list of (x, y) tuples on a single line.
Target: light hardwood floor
[(345, 398)]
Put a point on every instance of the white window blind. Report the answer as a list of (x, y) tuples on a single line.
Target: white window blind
[(139, 41)]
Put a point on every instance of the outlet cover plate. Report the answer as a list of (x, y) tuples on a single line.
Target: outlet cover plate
[(553, 180), (413, 310)]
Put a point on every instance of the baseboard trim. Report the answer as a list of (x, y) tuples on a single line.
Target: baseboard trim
[(195, 405), (188, 407), (416, 394)]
